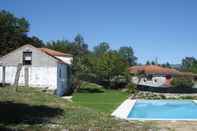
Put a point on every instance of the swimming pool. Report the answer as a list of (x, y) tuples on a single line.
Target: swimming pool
[(163, 110)]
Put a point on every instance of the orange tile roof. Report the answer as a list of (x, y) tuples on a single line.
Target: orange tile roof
[(52, 52), (136, 69), (152, 69)]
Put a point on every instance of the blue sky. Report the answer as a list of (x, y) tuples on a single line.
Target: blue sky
[(163, 29)]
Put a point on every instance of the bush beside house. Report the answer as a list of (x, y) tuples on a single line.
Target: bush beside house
[(182, 82), (90, 87)]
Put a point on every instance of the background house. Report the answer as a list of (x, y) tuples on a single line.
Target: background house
[(41, 67), (156, 76)]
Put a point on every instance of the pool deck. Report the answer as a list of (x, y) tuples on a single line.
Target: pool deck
[(123, 110)]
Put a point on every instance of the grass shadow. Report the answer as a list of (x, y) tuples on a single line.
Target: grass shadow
[(18, 113), (90, 90)]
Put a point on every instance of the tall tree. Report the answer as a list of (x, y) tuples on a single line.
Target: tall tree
[(60, 45), (79, 44), (110, 65), (148, 63), (153, 63), (102, 48), (167, 64), (127, 53), (189, 64), (13, 33)]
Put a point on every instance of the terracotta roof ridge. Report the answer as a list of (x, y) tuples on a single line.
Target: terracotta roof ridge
[(53, 52)]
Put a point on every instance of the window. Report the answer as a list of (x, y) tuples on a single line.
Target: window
[(27, 58)]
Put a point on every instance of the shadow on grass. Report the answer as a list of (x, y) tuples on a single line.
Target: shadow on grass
[(19, 113), (89, 90)]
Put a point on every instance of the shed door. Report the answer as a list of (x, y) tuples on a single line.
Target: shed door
[(61, 79)]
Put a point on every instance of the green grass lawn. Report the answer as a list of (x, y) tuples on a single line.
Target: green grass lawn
[(30, 109), (102, 102)]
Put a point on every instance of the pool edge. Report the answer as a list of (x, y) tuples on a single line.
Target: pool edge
[(123, 110)]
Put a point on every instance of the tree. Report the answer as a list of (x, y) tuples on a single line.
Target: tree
[(13, 33), (127, 54), (102, 48), (153, 63), (76, 47), (110, 65), (79, 45), (148, 63), (189, 64), (60, 45), (167, 64)]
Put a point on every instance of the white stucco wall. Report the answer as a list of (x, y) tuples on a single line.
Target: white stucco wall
[(38, 76), (156, 81)]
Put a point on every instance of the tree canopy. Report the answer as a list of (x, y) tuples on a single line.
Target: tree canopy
[(127, 54), (102, 48), (13, 33), (189, 64), (100, 65)]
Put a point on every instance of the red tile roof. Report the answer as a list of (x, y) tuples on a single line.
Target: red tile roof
[(52, 52), (152, 69)]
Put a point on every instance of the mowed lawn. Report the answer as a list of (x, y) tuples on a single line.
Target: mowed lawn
[(101, 102), (31, 109)]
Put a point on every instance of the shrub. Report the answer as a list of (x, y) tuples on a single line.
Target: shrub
[(91, 87), (118, 82), (131, 88), (187, 97), (182, 82)]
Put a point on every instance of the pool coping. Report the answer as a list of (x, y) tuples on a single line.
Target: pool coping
[(124, 109)]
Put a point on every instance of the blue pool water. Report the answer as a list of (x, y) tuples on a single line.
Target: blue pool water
[(164, 109)]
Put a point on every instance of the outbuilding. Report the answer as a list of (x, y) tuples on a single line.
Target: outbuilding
[(40, 68)]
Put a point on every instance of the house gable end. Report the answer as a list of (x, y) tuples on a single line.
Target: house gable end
[(39, 58)]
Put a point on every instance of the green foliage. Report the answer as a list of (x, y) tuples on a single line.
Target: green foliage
[(182, 82), (187, 97), (148, 63), (131, 88), (189, 64), (167, 64), (60, 45), (127, 54), (77, 48), (91, 87), (110, 65), (13, 33), (101, 48)]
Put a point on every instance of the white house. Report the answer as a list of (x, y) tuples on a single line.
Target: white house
[(154, 75), (41, 68), (157, 76)]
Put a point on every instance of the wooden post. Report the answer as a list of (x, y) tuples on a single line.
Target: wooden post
[(26, 76), (3, 75), (17, 75)]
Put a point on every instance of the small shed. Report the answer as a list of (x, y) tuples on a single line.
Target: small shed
[(41, 68)]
